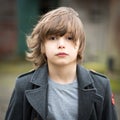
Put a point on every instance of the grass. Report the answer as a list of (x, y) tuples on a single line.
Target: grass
[(115, 85), (96, 66), (13, 67)]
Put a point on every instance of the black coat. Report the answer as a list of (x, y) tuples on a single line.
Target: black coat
[(29, 99)]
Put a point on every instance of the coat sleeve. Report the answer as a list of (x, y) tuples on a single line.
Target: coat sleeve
[(109, 111), (15, 107)]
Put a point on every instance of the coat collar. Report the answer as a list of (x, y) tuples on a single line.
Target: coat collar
[(41, 74), (84, 77), (37, 97)]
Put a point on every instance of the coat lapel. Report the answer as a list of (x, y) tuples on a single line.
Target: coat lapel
[(87, 93), (85, 104), (37, 97)]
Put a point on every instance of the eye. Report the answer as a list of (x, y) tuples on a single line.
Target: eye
[(70, 38), (52, 37)]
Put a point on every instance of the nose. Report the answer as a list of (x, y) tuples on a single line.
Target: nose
[(61, 43)]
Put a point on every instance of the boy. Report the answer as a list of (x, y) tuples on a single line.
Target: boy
[(59, 88)]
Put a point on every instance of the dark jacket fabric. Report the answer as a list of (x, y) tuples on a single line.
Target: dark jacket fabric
[(29, 98)]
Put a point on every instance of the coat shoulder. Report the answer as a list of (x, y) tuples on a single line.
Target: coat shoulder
[(97, 74), (101, 82), (23, 80), (99, 78), (26, 74)]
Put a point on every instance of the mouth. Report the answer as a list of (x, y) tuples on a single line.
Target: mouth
[(61, 54)]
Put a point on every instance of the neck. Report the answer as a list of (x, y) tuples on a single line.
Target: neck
[(62, 74)]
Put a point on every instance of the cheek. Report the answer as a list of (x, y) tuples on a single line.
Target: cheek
[(48, 50), (75, 50), (76, 47)]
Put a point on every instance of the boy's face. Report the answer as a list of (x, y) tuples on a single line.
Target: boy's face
[(61, 50)]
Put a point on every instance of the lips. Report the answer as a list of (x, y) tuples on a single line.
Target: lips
[(62, 54)]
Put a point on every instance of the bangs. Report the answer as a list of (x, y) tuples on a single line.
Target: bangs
[(60, 25)]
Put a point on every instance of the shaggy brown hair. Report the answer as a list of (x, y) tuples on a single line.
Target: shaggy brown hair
[(56, 22)]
